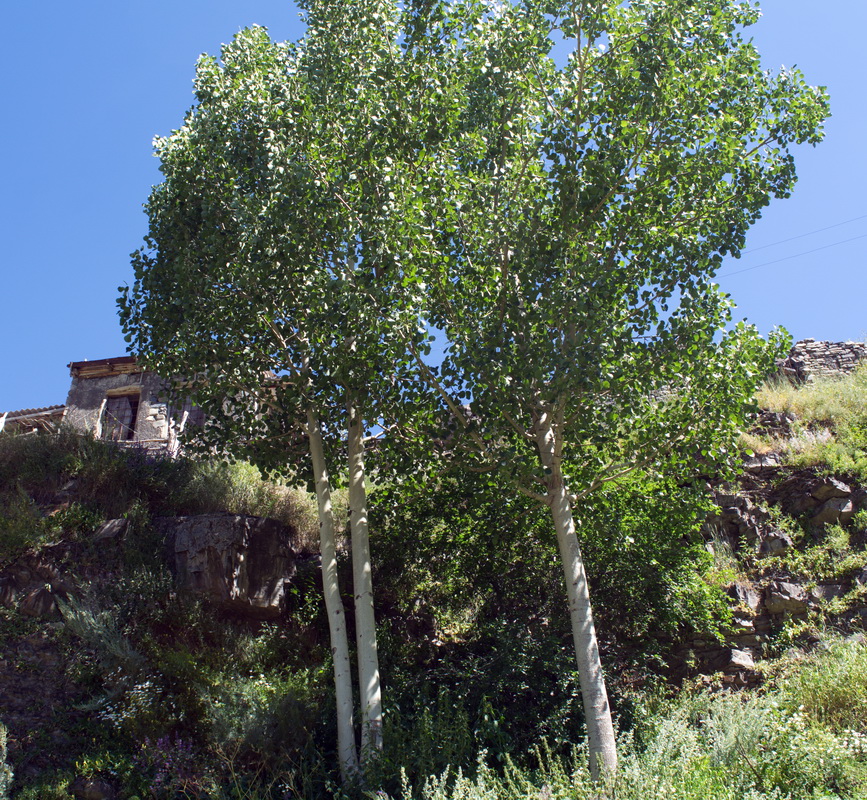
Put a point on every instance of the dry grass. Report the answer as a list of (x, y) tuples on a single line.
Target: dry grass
[(827, 402), (830, 427)]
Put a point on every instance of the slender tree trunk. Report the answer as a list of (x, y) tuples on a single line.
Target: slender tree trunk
[(597, 712), (365, 623), (334, 605)]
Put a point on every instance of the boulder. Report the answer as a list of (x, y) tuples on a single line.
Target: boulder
[(39, 602), (114, 529), (91, 789), (831, 487), (837, 509), (763, 461), (782, 597), (746, 595), (775, 542), (824, 592), (740, 659), (241, 562)]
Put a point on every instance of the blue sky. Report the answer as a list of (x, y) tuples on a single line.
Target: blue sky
[(87, 86)]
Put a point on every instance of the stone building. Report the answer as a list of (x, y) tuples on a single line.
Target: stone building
[(116, 399)]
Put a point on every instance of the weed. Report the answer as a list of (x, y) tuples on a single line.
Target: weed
[(831, 427)]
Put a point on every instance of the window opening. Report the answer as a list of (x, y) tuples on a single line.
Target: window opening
[(120, 417)]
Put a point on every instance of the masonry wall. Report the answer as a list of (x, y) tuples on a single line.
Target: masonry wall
[(809, 359), (86, 397)]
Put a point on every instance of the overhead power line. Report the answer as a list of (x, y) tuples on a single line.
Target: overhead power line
[(796, 255), (802, 235)]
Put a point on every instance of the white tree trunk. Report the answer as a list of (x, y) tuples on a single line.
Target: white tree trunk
[(597, 712), (333, 605), (365, 623)]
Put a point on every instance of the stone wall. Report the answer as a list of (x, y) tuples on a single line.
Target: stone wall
[(810, 359), (87, 395)]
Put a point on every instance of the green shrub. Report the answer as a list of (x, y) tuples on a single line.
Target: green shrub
[(725, 747), (470, 598), (830, 687), (831, 427), (21, 525)]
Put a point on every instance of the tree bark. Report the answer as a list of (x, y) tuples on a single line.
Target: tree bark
[(334, 606), (365, 622), (597, 712)]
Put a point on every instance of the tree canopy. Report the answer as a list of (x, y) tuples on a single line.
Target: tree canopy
[(559, 223)]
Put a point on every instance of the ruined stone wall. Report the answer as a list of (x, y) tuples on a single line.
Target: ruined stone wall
[(86, 396), (810, 359)]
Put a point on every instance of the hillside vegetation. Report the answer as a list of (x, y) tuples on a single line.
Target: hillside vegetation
[(122, 684), (827, 424)]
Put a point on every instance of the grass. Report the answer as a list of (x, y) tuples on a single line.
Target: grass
[(828, 402), (802, 738), (54, 485), (829, 431)]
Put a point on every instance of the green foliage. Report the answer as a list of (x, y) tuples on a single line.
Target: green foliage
[(830, 431), (5, 769), (266, 715), (830, 687), (825, 555), (21, 524), (757, 746), (53, 787), (467, 585), (242, 700), (560, 225)]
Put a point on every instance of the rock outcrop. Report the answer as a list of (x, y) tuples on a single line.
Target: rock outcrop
[(748, 520), (241, 562)]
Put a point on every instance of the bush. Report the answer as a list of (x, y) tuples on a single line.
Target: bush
[(831, 427), (726, 747), (470, 598), (830, 687)]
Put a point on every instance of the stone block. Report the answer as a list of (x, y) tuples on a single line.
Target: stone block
[(837, 509), (113, 530), (831, 487), (775, 542), (91, 789), (39, 602), (741, 659), (746, 595), (827, 591), (782, 597)]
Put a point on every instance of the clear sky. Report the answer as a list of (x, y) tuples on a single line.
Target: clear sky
[(87, 86)]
